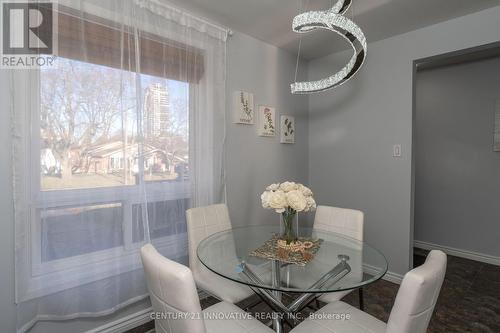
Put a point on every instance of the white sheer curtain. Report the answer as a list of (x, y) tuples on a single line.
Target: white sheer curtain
[(111, 145)]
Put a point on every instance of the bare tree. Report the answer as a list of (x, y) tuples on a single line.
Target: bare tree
[(79, 105)]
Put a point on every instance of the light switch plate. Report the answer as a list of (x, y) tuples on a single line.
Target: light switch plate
[(396, 150)]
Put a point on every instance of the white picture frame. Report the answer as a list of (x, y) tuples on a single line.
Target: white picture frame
[(287, 129), (267, 121), (243, 108)]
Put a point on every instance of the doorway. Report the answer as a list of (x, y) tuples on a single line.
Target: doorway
[(455, 170)]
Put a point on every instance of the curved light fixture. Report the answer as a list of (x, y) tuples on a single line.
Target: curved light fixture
[(333, 20)]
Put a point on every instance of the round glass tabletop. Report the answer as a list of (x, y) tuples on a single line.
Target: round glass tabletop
[(340, 263)]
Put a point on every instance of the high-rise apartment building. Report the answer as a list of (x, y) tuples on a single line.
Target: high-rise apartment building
[(156, 111)]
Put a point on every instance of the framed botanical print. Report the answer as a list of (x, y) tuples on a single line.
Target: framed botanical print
[(267, 121), (243, 108), (287, 129)]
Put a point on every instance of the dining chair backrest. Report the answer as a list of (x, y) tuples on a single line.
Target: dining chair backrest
[(417, 296), (201, 223), (347, 222), (173, 294)]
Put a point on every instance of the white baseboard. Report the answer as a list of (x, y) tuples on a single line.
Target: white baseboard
[(486, 258), (389, 276), (136, 319), (393, 277), (125, 323)]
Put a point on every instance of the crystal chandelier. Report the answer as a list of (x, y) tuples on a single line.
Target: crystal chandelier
[(332, 19)]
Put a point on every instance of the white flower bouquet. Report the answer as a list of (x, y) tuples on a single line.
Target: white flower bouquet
[(288, 199)]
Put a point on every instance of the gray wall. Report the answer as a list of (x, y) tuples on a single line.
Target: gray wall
[(352, 129), (252, 161), (457, 185)]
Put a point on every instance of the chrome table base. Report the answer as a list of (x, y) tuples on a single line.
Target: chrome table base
[(273, 297)]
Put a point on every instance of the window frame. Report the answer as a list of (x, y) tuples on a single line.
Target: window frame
[(61, 274)]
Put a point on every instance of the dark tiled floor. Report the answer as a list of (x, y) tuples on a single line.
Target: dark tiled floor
[(469, 301)]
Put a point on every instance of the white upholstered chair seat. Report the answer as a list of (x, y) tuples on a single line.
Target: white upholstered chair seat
[(359, 321), (175, 301), (411, 313), (220, 287), (231, 326), (201, 223)]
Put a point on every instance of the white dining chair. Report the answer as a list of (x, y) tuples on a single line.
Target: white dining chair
[(411, 313), (176, 304), (201, 223), (346, 222)]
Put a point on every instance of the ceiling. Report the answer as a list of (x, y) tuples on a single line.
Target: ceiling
[(271, 20)]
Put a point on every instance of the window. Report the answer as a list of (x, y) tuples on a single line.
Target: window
[(90, 127), (108, 136)]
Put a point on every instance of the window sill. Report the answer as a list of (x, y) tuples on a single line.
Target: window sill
[(100, 266)]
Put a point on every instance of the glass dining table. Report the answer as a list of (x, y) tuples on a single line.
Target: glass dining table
[(341, 263)]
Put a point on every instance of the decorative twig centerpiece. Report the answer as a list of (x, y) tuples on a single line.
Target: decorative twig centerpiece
[(288, 199)]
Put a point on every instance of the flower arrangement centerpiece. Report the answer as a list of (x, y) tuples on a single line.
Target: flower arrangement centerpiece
[(288, 199)]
